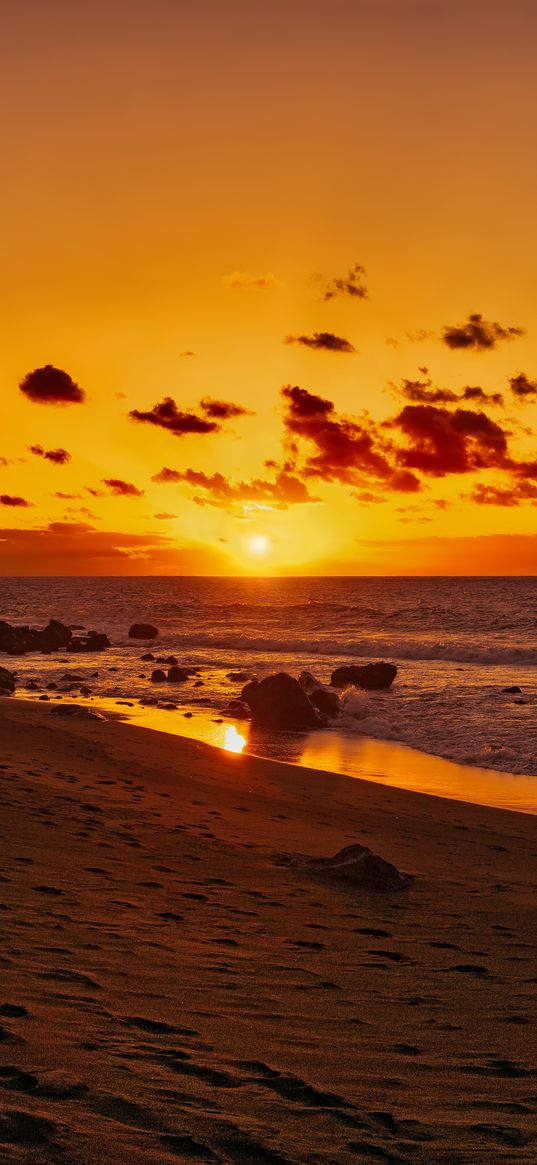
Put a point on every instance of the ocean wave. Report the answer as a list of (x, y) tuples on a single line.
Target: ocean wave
[(412, 649)]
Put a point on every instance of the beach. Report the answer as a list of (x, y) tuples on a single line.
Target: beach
[(172, 988)]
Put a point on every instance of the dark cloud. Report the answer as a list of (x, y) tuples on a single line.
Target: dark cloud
[(322, 341), (424, 392), (10, 500), (522, 387), (492, 495), (223, 410), (95, 493), (286, 490), (77, 548), (345, 449), (166, 415), (479, 334), (57, 456), (51, 386), (124, 489), (164, 517), (442, 442), (352, 284), (66, 497)]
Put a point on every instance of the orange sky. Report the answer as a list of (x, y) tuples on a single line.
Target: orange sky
[(201, 176)]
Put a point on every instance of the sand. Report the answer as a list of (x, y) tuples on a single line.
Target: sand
[(169, 990)]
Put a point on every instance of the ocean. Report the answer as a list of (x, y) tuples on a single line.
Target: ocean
[(458, 642)]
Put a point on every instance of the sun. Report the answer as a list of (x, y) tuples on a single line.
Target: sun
[(259, 545)]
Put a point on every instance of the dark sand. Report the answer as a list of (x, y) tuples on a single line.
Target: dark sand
[(168, 991)]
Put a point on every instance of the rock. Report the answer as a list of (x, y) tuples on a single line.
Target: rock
[(279, 702), (170, 659), (93, 641), (147, 658), (238, 677), (18, 640), (143, 631), (372, 676), (199, 684), (32, 686), (158, 676), (168, 707), (514, 690), (238, 709), (178, 675), (188, 715), (325, 702), (356, 865), (77, 710), (322, 699), (52, 686), (44, 697), (7, 682)]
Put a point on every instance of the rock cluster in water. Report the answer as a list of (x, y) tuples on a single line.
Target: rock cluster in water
[(53, 637)]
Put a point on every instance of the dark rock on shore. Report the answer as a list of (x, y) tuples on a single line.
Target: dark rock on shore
[(279, 702), (143, 631), (356, 865), (76, 710), (53, 637), (158, 676), (238, 677), (7, 682), (178, 675), (373, 677), (148, 657), (513, 690)]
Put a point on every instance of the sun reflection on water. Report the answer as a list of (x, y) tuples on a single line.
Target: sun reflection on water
[(233, 741)]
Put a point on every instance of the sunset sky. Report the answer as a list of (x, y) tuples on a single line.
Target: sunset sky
[(281, 258)]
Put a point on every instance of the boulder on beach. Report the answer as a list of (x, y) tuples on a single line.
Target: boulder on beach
[(356, 865), (78, 711), (158, 676), (238, 677), (373, 677), (148, 657), (279, 702), (178, 675), (93, 641), (143, 631), (7, 682), (514, 690)]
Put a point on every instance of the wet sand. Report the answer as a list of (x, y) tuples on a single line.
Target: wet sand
[(171, 991)]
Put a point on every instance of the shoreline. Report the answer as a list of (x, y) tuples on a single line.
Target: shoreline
[(171, 990), (334, 752)]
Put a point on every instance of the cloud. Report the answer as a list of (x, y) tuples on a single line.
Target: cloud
[(423, 392), (479, 334), (164, 517), (345, 449), (124, 489), (492, 495), (51, 386), (522, 387), (66, 497), (77, 548), (10, 500), (166, 415), (223, 410), (286, 490), (322, 341), (57, 456), (352, 285), (245, 280), (442, 442)]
